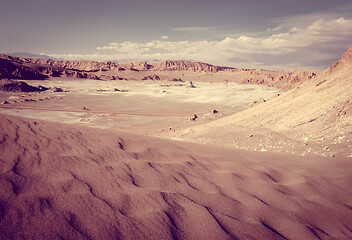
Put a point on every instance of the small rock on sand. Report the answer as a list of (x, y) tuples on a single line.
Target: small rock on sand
[(194, 117), (191, 85)]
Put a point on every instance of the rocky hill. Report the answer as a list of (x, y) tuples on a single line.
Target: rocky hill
[(94, 66), (11, 70), (19, 86), (39, 69), (316, 113), (344, 64), (35, 68), (185, 65)]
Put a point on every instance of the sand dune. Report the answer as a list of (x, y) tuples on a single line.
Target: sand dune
[(65, 182)]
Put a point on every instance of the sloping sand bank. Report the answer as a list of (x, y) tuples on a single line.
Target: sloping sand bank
[(66, 182), (315, 117)]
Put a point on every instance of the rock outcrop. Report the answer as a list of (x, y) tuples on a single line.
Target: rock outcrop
[(19, 86), (281, 79), (11, 70), (27, 68), (136, 66), (185, 65), (78, 65), (51, 72), (151, 77)]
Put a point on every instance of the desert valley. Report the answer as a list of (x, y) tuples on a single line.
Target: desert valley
[(174, 150)]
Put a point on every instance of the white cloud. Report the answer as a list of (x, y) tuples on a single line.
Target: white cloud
[(164, 37), (275, 29), (193, 29), (286, 48)]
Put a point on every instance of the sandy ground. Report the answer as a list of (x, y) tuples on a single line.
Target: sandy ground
[(140, 106), (69, 182)]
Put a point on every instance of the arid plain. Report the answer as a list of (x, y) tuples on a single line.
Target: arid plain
[(174, 150)]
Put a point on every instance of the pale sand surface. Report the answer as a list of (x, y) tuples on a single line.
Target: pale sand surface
[(68, 182), (149, 105)]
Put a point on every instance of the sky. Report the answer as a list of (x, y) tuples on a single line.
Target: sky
[(270, 34)]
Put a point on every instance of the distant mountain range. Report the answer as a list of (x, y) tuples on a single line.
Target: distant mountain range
[(28, 55), (33, 66)]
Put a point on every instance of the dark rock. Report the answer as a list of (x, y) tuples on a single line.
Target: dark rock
[(16, 71), (176, 80), (92, 76), (19, 86), (52, 72), (194, 117), (57, 89), (191, 85), (151, 77)]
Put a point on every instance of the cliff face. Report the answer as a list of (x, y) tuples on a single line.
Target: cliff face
[(79, 65), (29, 68), (13, 71), (186, 65), (136, 66), (281, 79), (19, 86), (39, 69), (82, 65)]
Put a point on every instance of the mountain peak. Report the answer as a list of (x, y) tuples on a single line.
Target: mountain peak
[(347, 57), (345, 61)]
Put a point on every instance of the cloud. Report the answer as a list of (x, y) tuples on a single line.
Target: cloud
[(275, 29), (321, 41), (164, 37), (193, 29)]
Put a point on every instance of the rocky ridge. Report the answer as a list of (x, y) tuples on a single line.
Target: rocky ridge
[(14, 71), (33, 68), (19, 86), (317, 113), (170, 65)]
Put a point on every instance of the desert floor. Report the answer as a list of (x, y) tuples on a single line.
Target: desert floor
[(80, 166), (140, 106), (60, 181)]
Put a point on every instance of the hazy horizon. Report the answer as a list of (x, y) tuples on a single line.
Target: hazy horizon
[(252, 34)]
